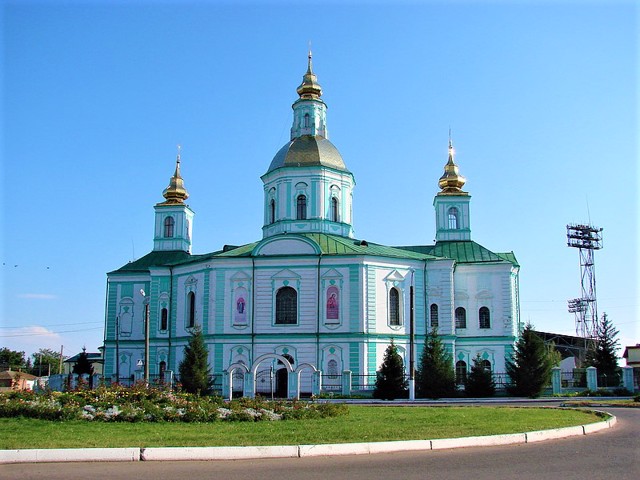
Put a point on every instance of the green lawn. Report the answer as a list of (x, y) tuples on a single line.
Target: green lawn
[(362, 424)]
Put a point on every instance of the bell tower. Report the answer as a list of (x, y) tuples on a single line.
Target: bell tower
[(174, 218), (452, 203)]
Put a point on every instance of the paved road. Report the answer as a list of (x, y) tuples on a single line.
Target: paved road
[(609, 454)]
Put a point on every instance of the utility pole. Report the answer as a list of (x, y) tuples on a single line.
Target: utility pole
[(60, 360)]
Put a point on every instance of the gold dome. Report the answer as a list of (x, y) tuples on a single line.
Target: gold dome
[(175, 193), (308, 151), (309, 88), (451, 182)]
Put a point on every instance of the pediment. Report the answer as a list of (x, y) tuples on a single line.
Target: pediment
[(240, 276), (285, 274), (332, 273), (394, 276)]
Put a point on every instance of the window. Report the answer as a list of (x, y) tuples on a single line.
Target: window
[(486, 365), (164, 319), (169, 223), (191, 310), (286, 306), (394, 307), (334, 209), (434, 315), (163, 368), (272, 211), (461, 372), (453, 218), (461, 318), (301, 207), (306, 120), (485, 317)]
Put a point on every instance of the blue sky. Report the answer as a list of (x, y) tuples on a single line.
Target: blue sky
[(541, 97)]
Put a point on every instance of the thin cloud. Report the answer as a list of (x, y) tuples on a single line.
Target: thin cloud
[(38, 296)]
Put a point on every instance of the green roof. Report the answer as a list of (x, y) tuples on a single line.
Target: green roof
[(154, 259), (463, 252)]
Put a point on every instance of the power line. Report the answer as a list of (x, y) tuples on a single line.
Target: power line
[(33, 334)]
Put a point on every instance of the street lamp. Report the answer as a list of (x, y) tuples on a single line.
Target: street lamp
[(146, 336)]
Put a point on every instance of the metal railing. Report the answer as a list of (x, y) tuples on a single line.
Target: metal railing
[(363, 383)]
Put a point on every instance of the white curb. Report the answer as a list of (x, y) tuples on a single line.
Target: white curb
[(484, 441), (217, 453), (554, 433), (70, 455)]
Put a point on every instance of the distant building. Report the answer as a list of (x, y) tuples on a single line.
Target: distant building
[(14, 380), (96, 360), (632, 356), (308, 296)]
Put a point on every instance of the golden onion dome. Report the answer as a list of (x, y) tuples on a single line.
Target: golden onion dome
[(175, 193), (309, 88), (451, 182), (308, 151)]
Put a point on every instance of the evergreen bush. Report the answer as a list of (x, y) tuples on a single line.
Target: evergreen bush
[(391, 382), (529, 368), (479, 382), (435, 377)]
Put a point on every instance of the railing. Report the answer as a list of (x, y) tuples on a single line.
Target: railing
[(363, 383), (332, 383), (609, 381), (577, 378), (501, 381)]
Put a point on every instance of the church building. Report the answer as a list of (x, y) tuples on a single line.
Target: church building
[(309, 301)]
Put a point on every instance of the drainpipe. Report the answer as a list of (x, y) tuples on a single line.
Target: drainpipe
[(253, 309), (169, 316), (318, 310)]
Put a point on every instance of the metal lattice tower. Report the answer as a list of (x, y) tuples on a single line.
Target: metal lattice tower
[(586, 238)]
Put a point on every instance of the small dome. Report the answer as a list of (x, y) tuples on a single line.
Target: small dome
[(308, 151)]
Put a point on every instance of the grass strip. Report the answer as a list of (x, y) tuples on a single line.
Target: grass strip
[(362, 424)]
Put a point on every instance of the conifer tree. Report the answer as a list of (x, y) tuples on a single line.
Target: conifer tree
[(195, 374), (435, 377), (479, 382), (603, 356), (529, 368), (83, 366), (391, 382)]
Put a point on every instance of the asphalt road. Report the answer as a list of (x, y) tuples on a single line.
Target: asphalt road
[(609, 454)]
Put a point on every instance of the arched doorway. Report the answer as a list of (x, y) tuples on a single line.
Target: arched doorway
[(282, 378)]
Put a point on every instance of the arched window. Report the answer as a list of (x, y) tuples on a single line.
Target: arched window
[(433, 310), (286, 306), (394, 306), (453, 218), (461, 372), (191, 310), (485, 317), (301, 207), (272, 211), (164, 319), (461, 318), (169, 223), (486, 365), (307, 120), (334, 209)]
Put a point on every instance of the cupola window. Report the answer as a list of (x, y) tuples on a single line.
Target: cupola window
[(334, 209), (272, 211), (301, 207), (307, 121), (164, 319), (169, 224), (453, 218)]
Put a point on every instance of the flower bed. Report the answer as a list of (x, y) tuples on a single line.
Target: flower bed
[(141, 404)]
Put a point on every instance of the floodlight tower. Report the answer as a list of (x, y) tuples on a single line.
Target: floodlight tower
[(586, 238)]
